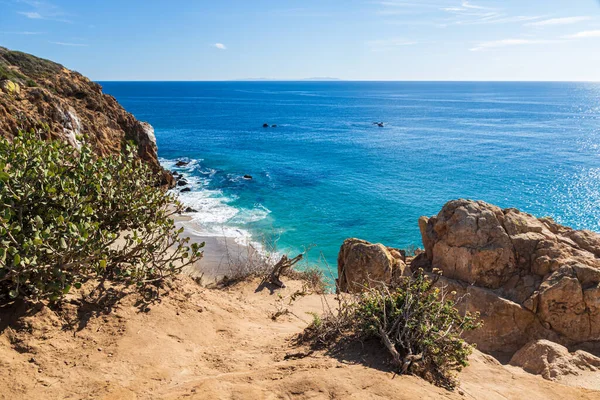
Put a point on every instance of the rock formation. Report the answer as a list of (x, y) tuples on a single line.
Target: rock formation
[(530, 278), (63, 104), (362, 264), (551, 360)]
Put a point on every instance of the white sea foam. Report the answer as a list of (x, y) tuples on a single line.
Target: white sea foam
[(213, 214)]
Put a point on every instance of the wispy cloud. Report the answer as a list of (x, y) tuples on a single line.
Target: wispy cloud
[(559, 21), (220, 46), (389, 44), (22, 33), (583, 35), (468, 13), (494, 44), (70, 44), (43, 10), (31, 14)]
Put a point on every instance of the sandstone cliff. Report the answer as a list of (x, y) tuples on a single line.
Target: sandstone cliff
[(530, 278), (36, 93)]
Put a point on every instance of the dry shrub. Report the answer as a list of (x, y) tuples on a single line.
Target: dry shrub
[(417, 323)]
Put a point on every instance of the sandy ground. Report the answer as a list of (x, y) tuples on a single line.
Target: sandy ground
[(199, 343), (223, 256)]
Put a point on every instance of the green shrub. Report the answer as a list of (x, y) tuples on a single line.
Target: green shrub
[(67, 216), (417, 323)]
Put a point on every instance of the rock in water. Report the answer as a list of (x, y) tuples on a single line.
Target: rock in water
[(185, 189), (181, 163), (265, 125), (362, 264), (70, 105), (248, 177), (541, 279)]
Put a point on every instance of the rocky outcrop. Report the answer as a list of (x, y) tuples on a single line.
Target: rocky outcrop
[(362, 264), (530, 278), (552, 361), (63, 104)]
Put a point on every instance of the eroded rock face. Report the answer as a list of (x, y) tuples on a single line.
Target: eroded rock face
[(550, 271), (43, 95), (362, 264), (551, 360)]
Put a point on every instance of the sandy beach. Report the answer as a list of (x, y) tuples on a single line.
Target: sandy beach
[(223, 256)]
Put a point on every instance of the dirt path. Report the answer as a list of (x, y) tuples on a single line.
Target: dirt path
[(212, 344)]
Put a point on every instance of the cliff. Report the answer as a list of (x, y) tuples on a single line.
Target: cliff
[(37, 93)]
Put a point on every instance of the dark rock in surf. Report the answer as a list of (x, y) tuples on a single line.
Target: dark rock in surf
[(187, 189), (265, 125), (248, 177), (181, 163)]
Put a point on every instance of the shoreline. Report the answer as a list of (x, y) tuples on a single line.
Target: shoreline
[(224, 256)]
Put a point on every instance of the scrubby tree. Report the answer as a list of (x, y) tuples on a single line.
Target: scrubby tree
[(416, 320), (68, 216)]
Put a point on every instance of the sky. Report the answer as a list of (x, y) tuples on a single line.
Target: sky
[(554, 40)]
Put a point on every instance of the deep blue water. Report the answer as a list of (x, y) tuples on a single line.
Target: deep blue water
[(327, 173)]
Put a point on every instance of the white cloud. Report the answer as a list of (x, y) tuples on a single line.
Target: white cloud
[(31, 14), (584, 34), (508, 42), (28, 33), (70, 44), (220, 46), (388, 44), (559, 21), (43, 10)]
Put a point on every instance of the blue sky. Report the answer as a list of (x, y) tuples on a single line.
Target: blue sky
[(289, 39)]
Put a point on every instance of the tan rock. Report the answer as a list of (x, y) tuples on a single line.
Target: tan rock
[(546, 269), (362, 264), (552, 361)]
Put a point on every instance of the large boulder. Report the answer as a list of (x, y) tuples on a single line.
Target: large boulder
[(362, 264), (552, 361), (550, 272)]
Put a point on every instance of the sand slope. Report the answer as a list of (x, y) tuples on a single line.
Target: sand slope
[(211, 344)]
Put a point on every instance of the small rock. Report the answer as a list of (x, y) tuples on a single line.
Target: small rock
[(190, 210), (248, 177), (99, 348), (182, 182), (187, 189), (32, 360), (181, 163), (274, 126), (265, 125)]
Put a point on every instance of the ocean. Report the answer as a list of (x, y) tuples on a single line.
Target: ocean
[(327, 172)]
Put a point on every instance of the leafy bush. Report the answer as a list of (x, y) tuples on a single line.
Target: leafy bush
[(417, 322), (67, 216)]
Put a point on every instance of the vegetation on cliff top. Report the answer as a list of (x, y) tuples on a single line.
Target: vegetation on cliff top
[(24, 68), (67, 217)]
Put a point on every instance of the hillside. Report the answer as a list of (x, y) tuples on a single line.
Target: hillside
[(43, 95)]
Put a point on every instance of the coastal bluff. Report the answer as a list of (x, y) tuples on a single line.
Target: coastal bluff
[(62, 104), (535, 283)]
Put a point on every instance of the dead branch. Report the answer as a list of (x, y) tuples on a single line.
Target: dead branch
[(281, 267)]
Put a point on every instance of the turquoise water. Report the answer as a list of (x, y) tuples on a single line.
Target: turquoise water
[(326, 173)]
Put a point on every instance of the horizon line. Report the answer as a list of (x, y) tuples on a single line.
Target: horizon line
[(347, 80)]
